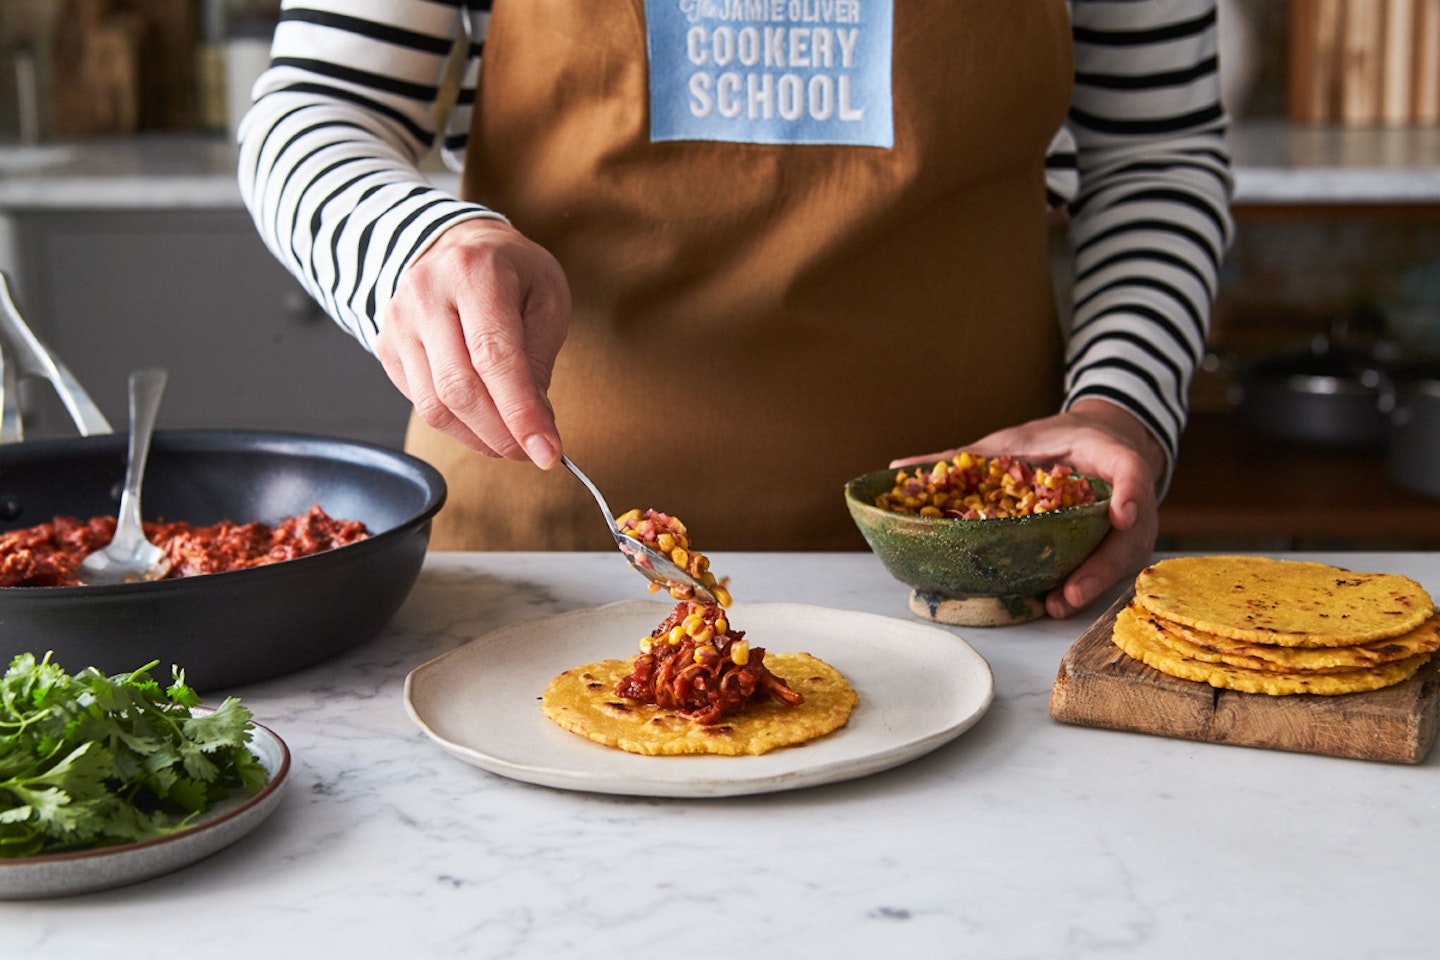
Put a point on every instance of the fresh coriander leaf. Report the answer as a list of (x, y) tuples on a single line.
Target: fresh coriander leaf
[(94, 760), (228, 726)]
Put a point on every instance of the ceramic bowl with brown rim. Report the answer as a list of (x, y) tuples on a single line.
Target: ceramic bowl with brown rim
[(988, 572)]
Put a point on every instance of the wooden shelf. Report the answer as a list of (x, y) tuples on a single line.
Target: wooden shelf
[(1234, 489)]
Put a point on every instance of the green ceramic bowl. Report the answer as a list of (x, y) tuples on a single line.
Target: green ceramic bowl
[(1010, 561)]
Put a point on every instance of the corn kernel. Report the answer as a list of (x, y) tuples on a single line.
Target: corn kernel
[(740, 652), (668, 536), (972, 486)]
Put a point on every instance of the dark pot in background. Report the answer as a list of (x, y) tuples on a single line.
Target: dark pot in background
[(1326, 396), (1413, 451)]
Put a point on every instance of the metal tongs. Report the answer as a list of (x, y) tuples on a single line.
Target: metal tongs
[(22, 354)]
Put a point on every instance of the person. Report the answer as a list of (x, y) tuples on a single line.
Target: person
[(741, 251)]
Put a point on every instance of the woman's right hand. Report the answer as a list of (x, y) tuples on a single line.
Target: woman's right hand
[(471, 337)]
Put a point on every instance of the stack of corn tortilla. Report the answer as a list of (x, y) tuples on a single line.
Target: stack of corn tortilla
[(1278, 627)]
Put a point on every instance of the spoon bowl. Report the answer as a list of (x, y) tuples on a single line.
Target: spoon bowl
[(652, 564), (130, 557)]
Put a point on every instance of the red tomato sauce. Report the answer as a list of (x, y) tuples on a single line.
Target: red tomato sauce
[(699, 676), (48, 554)]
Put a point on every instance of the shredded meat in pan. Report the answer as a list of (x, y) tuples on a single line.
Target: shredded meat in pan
[(47, 555)]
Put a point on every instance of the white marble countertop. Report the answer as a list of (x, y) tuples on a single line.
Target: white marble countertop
[(1023, 838), (1276, 163)]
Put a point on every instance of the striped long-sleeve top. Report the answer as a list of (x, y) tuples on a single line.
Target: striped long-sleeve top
[(329, 158)]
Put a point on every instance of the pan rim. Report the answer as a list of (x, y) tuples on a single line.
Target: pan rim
[(404, 466)]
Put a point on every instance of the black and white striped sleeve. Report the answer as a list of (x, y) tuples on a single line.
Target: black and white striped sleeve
[(1148, 188), (329, 151)]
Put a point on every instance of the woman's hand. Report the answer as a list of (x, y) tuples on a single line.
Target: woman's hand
[(471, 338), (1101, 439)]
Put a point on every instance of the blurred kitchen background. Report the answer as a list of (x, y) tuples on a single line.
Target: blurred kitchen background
[(78, 68), (121, 225), (1316, 418)]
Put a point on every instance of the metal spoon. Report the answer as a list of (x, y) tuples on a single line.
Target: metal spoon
[(129, 557), (652, 564)]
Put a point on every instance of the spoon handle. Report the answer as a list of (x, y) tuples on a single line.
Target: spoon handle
[(651, 564), (594, 491), (146, 388)]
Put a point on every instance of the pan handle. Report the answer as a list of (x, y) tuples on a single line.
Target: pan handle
[(23, 354)]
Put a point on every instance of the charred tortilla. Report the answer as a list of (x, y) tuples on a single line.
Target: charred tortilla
[(1287, 603), (1141, 637), (583, 701), (1213, 648)]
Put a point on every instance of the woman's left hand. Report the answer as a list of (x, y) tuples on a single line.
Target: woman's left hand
[(1100, 439)]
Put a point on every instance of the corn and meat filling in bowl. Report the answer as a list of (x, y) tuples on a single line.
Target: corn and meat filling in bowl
[(980, 527), (972, 487)]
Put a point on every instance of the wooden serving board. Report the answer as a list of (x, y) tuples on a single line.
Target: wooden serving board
[(1099, 685)]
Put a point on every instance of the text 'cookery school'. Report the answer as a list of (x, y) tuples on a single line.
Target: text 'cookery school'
[(771, 71)]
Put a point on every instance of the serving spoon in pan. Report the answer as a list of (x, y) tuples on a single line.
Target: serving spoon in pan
[(130, 557), (652, 564)]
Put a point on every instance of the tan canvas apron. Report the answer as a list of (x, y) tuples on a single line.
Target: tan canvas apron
[(801, 314)]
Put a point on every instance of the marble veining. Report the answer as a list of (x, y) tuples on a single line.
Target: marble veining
[(1023, 838)]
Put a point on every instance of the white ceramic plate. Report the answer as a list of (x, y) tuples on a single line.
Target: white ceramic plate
[(86, 871), (919, 687)]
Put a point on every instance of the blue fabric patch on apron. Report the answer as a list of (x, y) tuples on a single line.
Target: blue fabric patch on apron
[(771, 71)]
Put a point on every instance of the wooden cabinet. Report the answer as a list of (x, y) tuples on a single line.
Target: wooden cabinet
[(196, 292), (1234, 490)]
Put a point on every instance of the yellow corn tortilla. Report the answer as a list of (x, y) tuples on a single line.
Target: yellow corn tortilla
[(1132, 635), (583, 701), (1213, 648), (1288, 603)]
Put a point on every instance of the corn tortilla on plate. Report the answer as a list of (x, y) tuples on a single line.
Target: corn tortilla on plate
[(919, 687)]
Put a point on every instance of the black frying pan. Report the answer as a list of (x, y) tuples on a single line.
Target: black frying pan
[(224, 629)]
